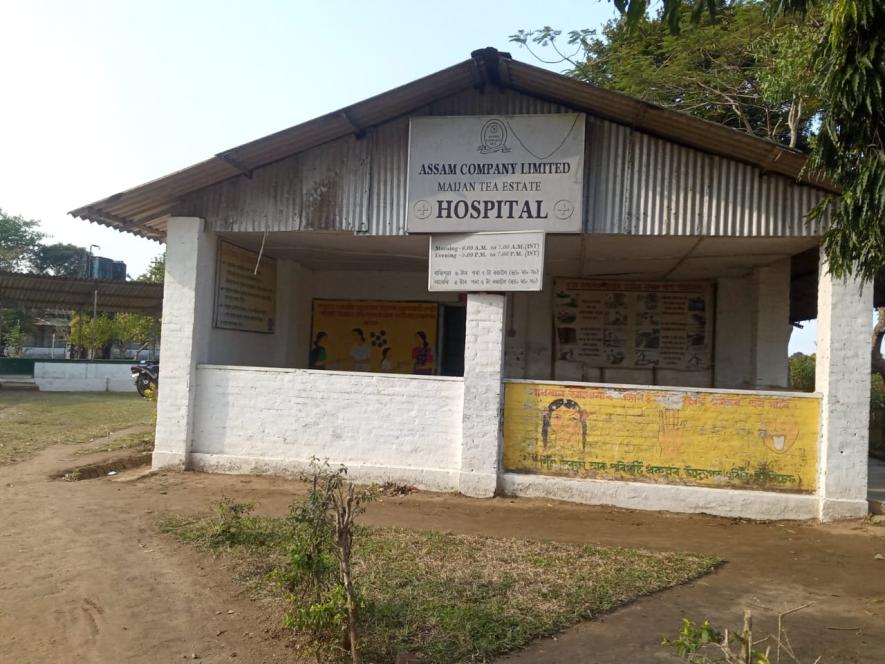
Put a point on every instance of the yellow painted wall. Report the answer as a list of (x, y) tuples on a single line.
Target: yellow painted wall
[(671, 437)]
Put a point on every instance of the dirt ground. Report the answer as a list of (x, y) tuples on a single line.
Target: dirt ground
[(86, 577)]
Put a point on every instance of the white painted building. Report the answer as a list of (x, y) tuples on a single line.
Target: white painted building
[(670, 204)]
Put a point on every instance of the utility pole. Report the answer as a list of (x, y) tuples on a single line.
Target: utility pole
[(94, 297)]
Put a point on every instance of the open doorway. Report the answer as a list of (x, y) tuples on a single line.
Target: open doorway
[(453, 326)]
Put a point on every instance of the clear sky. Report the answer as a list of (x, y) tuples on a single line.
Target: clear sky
[(98, 97)]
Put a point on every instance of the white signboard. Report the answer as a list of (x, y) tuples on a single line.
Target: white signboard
[(496, 173), (486, 262), (245, 299)]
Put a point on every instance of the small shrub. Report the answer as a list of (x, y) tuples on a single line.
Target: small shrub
[(323, 620), (318, 576), (231, 524), (704, 644)]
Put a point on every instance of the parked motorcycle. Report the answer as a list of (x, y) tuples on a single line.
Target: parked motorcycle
[(146, 376)]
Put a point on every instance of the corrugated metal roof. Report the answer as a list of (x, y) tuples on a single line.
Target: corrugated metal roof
[(143, 210), (634, 183), (35, 290)]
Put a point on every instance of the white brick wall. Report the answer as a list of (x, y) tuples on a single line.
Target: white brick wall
[(381, 426), (83, 377), (483, 393), (844, 328)]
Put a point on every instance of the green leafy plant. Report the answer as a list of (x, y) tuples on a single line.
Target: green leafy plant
[(318, 574), (802, 372), (230, 524), (692, 637), (92, 333), (15, 341), (131, 328), (705, 644)]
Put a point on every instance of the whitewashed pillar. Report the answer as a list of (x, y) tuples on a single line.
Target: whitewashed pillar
[(844, 328), (771, 326), (483, 394), (187, 323)]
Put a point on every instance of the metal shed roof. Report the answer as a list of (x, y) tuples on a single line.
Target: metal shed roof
[(143, 210), (36, 290)]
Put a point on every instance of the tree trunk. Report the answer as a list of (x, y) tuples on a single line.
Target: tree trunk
[(793, 121), (877, 361), (351, 609), (345, 508)]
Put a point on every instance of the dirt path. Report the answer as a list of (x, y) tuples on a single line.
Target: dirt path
[(85, 577)]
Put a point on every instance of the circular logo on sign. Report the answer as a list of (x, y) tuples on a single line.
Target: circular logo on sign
[(422, 209), (493, 137), (563, 209)]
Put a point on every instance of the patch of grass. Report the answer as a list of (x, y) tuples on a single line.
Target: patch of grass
[(458, 598), (32, 421)]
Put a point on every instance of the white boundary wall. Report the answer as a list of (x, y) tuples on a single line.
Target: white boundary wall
[(83, 377), (381, 426)]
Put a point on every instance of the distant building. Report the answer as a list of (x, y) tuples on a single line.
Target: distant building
[(99, 267)]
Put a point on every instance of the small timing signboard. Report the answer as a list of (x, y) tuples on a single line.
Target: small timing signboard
[(245, 300), (487, 262), (496, 173)]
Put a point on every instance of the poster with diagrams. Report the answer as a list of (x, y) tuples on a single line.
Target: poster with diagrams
[(633, 324)]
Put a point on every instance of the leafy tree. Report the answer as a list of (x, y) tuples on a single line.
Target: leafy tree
[(738, 68), (802, 372), (847, 68), (19, 240), (15, 341), (156, 270), (14, 318), (94, 334), (60, 260), (850, 149), (132, 328)]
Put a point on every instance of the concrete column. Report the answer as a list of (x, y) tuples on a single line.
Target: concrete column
[(483, 394), (187, 324), (300, 295), (844, 329), (771, 325), (735, 306)]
